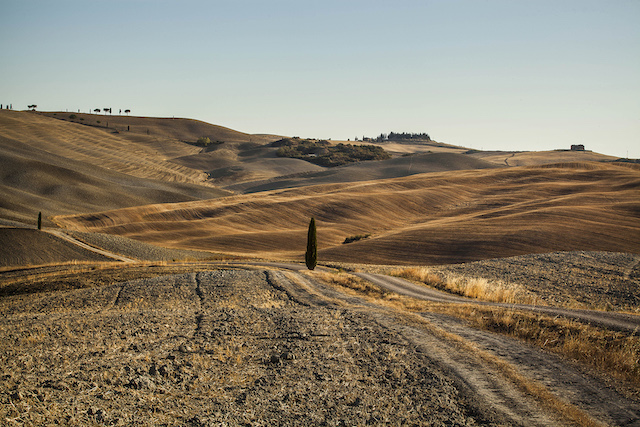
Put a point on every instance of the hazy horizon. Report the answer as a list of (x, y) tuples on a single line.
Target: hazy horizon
[(488, 75)]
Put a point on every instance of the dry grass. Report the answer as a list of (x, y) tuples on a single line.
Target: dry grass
[(471, 287), (411, 307), (423, 219), (613, 353)]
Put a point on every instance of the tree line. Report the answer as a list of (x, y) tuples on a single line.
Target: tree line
[(395, 136)]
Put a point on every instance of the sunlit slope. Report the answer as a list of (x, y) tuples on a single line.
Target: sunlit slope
[(428, 218), (536, 158), (232, 157), (55, 167), (96, 146), (229, 164), (172, 128)]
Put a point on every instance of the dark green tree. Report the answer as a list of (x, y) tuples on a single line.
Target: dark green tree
[(39, 220), (311, 256)]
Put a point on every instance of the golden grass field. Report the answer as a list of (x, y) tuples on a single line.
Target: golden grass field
[(148, 183), (421, 219)]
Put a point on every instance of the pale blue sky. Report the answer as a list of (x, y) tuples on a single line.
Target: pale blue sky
[(491, 74)]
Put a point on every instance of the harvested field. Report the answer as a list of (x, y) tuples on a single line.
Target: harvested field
[(602, 280), (264, 347), (214, 347), (436, 218), (32, 247)]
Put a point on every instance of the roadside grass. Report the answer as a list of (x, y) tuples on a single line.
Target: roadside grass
[(471, 287), (412, 307), (613, 353)]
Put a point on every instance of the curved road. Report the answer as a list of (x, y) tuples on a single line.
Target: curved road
[(610, 320), (61, 234)]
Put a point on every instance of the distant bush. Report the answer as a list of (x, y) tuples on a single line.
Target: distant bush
[(324, 154), (204, 141), (73, 116), (352, 239)]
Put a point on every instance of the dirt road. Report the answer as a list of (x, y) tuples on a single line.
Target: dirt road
[(611, 320), (268, 347), (61, 234)]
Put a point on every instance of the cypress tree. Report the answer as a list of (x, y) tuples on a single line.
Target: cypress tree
[(311, 256), (39, 220)]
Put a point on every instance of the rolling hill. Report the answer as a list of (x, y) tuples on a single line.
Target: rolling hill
[(421, 219), (146, 179), (368, 171), (57, 167)]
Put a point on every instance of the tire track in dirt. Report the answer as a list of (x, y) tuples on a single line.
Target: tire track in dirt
[(592, 393), (569, 382), (476, 381), (116, 301), (616, 321), (197, 278), (631, 269)]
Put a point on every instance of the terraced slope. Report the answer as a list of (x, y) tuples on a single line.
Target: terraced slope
[(37, 176), (422, 219), (95, 146)]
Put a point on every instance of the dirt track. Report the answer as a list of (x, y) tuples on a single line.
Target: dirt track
[(265, 347), (611, 320)]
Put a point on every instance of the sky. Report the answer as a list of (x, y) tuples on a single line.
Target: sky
[(485, 74)]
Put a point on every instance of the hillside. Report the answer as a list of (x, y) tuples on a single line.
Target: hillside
[(429, 203), (421, 219), (369, 171), (55, 167), (534, 158), (178, 129), (16, 243)]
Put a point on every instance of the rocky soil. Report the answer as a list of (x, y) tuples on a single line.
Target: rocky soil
[(215, 348), (205, 345)]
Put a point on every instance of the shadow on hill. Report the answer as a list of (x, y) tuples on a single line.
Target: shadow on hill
[(22, 247), (369, 171)]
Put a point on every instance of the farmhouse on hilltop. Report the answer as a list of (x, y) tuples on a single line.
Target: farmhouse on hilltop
[(577, 147)]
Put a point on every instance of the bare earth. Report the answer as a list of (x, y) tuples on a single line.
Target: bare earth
[(265, 347)]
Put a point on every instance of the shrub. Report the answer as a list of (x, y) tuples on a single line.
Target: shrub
[(204, 141), (323, 154), (355, 238), (73, 116)]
